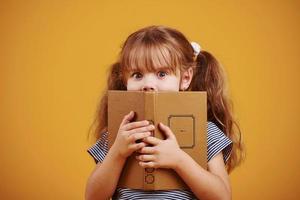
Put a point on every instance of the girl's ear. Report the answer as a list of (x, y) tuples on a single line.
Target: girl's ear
[(186, 78)]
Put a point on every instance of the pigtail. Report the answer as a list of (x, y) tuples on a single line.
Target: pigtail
[(209, 76), (114, 82)]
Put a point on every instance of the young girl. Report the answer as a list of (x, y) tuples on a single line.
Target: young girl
[(159, 58)]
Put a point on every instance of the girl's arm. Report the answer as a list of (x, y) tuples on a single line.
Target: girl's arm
[(212, 184), (103, 180)]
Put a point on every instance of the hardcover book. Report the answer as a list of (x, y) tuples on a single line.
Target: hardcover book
[(184, 112)]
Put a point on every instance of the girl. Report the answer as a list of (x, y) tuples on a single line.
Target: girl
[(159, 58)]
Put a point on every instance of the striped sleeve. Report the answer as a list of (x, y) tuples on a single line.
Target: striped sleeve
[(217, 141), (99, 150)]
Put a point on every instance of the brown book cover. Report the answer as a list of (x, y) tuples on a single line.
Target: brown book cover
[(184, 112)]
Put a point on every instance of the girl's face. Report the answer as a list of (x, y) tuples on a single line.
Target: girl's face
[(160, 80)]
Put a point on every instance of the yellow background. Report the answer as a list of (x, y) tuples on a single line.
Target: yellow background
[(53, 61)]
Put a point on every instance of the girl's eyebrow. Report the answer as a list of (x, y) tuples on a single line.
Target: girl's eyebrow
[(163, 68), (143, 70)]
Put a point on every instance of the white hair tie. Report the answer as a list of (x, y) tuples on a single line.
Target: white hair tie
[(196, 48)]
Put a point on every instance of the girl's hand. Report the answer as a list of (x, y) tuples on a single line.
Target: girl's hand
[(163, 153), (129, 132)]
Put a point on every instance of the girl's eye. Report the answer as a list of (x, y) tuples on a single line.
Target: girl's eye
[(162, 74), (137, 75)]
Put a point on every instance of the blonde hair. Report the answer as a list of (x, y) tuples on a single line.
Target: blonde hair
[(160, 46)]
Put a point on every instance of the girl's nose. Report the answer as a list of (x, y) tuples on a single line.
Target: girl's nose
[(149, 83), (148, 88)]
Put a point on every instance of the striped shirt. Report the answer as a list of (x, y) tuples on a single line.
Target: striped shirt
[(217, 141)]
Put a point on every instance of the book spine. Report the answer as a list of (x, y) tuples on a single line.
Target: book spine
[(149, 173)]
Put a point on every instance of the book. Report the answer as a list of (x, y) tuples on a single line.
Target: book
[(184, 112)]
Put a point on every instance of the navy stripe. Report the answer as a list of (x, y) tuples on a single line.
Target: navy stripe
[(99, 150), (217, 141), (125, 193)]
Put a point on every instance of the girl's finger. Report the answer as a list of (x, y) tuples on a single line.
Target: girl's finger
[(138, 136), (152, 140), (127, 118), (142, 129), (147, 150), (137, 146), (147, 164), (167, 131), (133, 125), (145, 158)]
